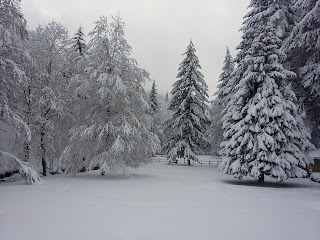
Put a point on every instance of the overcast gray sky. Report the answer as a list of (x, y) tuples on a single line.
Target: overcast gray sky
[(158, 30)]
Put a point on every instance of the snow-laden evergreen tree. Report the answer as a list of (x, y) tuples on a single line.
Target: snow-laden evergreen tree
[(303, 49), (113, 128), (262, 133), (185, 131), (277, 13), (219, 104), (14, 60), (153, 99), (224, 79), (167, 97), (79, 42), (155, 109)]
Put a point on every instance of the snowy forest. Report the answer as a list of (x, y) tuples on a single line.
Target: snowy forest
[(94, 145), (75, 103)]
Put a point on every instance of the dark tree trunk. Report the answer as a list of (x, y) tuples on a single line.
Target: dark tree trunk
[(189, 163), (26, 148), (261, 178), (43, 152), (27, 142)]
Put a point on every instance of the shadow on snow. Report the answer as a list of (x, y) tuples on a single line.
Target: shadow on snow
[(266, 184)]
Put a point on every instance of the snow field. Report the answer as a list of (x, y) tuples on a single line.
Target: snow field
[(159, 202)]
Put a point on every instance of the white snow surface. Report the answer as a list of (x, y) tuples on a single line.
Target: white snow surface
[(160, 202), (315, 153), (315, 177)]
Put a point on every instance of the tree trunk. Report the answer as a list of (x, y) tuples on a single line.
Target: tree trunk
[(27, 142), (43, 152), (189, 162), (261, 178), (26, 148)]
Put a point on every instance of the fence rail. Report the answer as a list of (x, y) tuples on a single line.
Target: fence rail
[(210, 162)]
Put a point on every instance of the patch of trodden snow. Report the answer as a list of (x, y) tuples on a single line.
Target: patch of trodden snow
[(160, 202)]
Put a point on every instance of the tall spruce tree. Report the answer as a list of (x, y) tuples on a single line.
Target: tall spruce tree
[(167, 97), (155, 111), (277, 13), (219, 104), (153, 99), (79, 42), (263, 136), (303, 49), (185, 131)]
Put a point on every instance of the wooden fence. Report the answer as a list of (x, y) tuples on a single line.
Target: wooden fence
[(316, 165), (210, 162)]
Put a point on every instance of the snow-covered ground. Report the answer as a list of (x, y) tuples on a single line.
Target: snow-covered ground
[(315, 153), (160, 202), (315, 177)]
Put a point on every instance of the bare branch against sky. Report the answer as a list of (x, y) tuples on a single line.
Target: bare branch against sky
[(158, 30)]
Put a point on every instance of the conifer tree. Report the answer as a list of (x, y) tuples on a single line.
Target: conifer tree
[(219, 104), (78, 41), (155, 112), (303, 49), (185, 131), (167, 97), (153, 99), (277, 13), (262, 131)]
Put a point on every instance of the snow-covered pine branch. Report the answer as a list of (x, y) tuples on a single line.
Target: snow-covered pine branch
[(302, 48)]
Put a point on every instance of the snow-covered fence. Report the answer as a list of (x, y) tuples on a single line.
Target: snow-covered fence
[(203, 160)]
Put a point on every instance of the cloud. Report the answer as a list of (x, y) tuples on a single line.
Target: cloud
[(158, 30)]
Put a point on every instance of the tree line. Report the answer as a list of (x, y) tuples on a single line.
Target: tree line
[(78, 105), (265, 115), (72, 104)]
